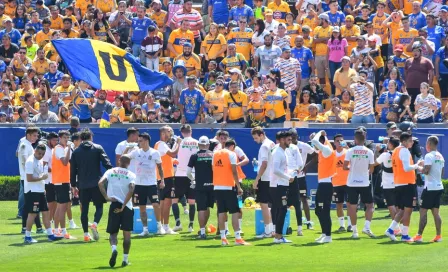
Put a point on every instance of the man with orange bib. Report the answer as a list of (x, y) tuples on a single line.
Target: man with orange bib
[(326, 169), (405, 188), (339, 182), (60, 169), (166, 185), (227, 187)]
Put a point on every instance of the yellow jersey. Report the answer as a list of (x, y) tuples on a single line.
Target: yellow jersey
[(75, 23), (301, 111), (65, 93), (404, 37), (57, 23), (354, 31), (274, 101), (178, 38), (235, 110), (380, 29), (104, 5), (41, 67), (159, 19), (280, 11), (73, 34), (309, 43), (319, 33), (242, 40), (50, 48), (393, 28), (293, 31), (100, 34), (233, 62), (3, 18), (82, 6), (120, 113), (217, 100), (193, 63), (331, 118), (349, 108), (257, 109), (17, 67), (316, 119), (10, 11), (213, 45), (43, 38), (407, 6), (19, 96), (311, 22)]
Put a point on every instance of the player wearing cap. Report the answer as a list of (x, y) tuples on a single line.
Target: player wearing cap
[(183, 187), (262, 181), (433, 170), (201, 162), (120, 188), (404, 178), (359, 160)]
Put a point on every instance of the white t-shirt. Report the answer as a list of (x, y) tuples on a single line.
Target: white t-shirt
[(265, 154), (119, 150), (387, 179), (25, 150), (232, 158), (304, 149), (360, 157), (279, 174), (433, 180), (36, 168), (146, 163), (294, 160), (379, 42), (188, 146), (306, 2), (118, 180), (47, 159)]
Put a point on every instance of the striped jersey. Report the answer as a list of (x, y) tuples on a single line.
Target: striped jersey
[(425, 112), (363, 100), (289, 68), (282, 42), (174, 7), (194, 17)]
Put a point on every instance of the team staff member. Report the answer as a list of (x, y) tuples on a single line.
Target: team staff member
[(146, 160), (34, 188), (282, 178), (339, 182), (226, 188), (201, 162), (120, 187), (85, 172), (405, 189), (60, 177), (433, 169), (325, 172), (167, 154), (359, 160), (182, 186), (261, 182)]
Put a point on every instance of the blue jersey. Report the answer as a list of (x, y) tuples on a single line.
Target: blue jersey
[(80, 106), (19, 23), (192, 102), (140, 29), (436, 34), (441, 53), (38, 26), (326, 7), (384, 98), (53, 78), (14, 34), (336, 19), (397, 82), (303, 55), (237, 12), (400, 64), (220, 11), (417, 21)]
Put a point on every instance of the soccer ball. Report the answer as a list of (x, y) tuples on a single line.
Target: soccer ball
[(249, 202)]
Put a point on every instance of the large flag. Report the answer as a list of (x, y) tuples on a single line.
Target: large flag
[(107, 67), (105, 120)]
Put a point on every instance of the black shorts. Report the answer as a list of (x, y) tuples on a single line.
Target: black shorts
[(431, 199), (142, 193), (227, 201), (182, 188), (406, 196), (339, 194), (303, 189), (117, 221), (168, 190), (354, 193), (204, 199), (62, 193), (50, 192), (293, 193), (35, 202), (281, 197), (91, 194), (262, 194), (389, 197)]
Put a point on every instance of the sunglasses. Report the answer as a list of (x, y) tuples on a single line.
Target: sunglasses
[(23, 53), (219, 84), (242, 22)]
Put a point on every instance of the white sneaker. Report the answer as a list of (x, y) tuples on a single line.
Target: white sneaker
[(390, 233), (144, 233), (178, 228), (190, 229), (282, 240), (355, 235), (72, 225), (161, 230), (299, 233), (369, 233), (170, 231), (264, 235), (320, 237), (326, 239)]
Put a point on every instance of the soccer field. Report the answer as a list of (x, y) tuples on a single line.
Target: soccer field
[(184, 253)]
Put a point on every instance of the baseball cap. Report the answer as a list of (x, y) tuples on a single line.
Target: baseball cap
[(349, 18), (444, 8), (336, 29), (324, 16), (151, 112), (156, 1), (203, 140), (363, 128), (39, 2), (286, 48), (235, 70), (6, 98), (268, 12), (399, 47), (187, 44), (391, 125), (7, 20), (345, 58), (2, 113), (361, 38), (293, 131)]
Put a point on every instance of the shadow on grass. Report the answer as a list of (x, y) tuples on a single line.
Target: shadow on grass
[(310, 244), (72, 242), (22, 244), (267, 245), (11, 219), (213, 246), (419, 243), (11, 234), (106, 268), (390, 243), (347, 239)]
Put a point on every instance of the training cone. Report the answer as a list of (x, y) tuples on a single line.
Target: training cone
[(211, 228)]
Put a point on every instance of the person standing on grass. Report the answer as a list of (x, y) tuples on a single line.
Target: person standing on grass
[(35, 200), (433, 169), (120, 188), (359, 160), (261, 182)]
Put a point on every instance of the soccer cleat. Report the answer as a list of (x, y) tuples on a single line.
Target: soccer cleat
[(95, 234), (437, 239), (170, 231), (224, 242), (241, 242), (355, 235), (178, 228), (29, 240), (369, 233), (418, 238), (349, 229), (390, 233), (40, 231), (125, 263), (309, 226), (18, 216), (68, 236), (88, 238), (161, 230), (341, 229), (264, 235), (320, 237), (144, 233), (113, 258), (72, 225), (325, 240), (53, 238), (299, 233), (202, 237), (407, 239), (190, 228), (282, 240)]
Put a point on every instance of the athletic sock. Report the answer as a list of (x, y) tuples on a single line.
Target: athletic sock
[(349, 222), (114, 247), (299, 228), (166, 226), (237, 235), (270, 228), (367, 224), (145, 229), (202, 231), (192, 212), (95, 224), (71, 221), (341, 221), (125, 257), (175, 208), (49, 231), (159, 224), (86, 234), (226, 226), (266, 229), (405, 230), (393, 225), (240, 223), (400, 226), (223, 234), (27, 233), (355, 230)]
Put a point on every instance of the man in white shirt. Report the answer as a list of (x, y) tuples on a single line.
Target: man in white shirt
[(120, 188), (146, 160), (34, 188), (132, 142), (261, 182), (182, 186), (280, 174), (433, 170), (359, 160), (271, 25)]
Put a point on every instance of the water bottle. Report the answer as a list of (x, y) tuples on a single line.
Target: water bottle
[(240, 202), (255, 165), (381, 139), (343, 144)]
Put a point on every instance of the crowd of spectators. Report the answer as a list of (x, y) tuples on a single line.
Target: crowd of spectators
[(232, 61)]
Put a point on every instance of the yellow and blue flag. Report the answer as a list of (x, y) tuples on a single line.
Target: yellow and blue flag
[(105, 120), (107, 67)]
